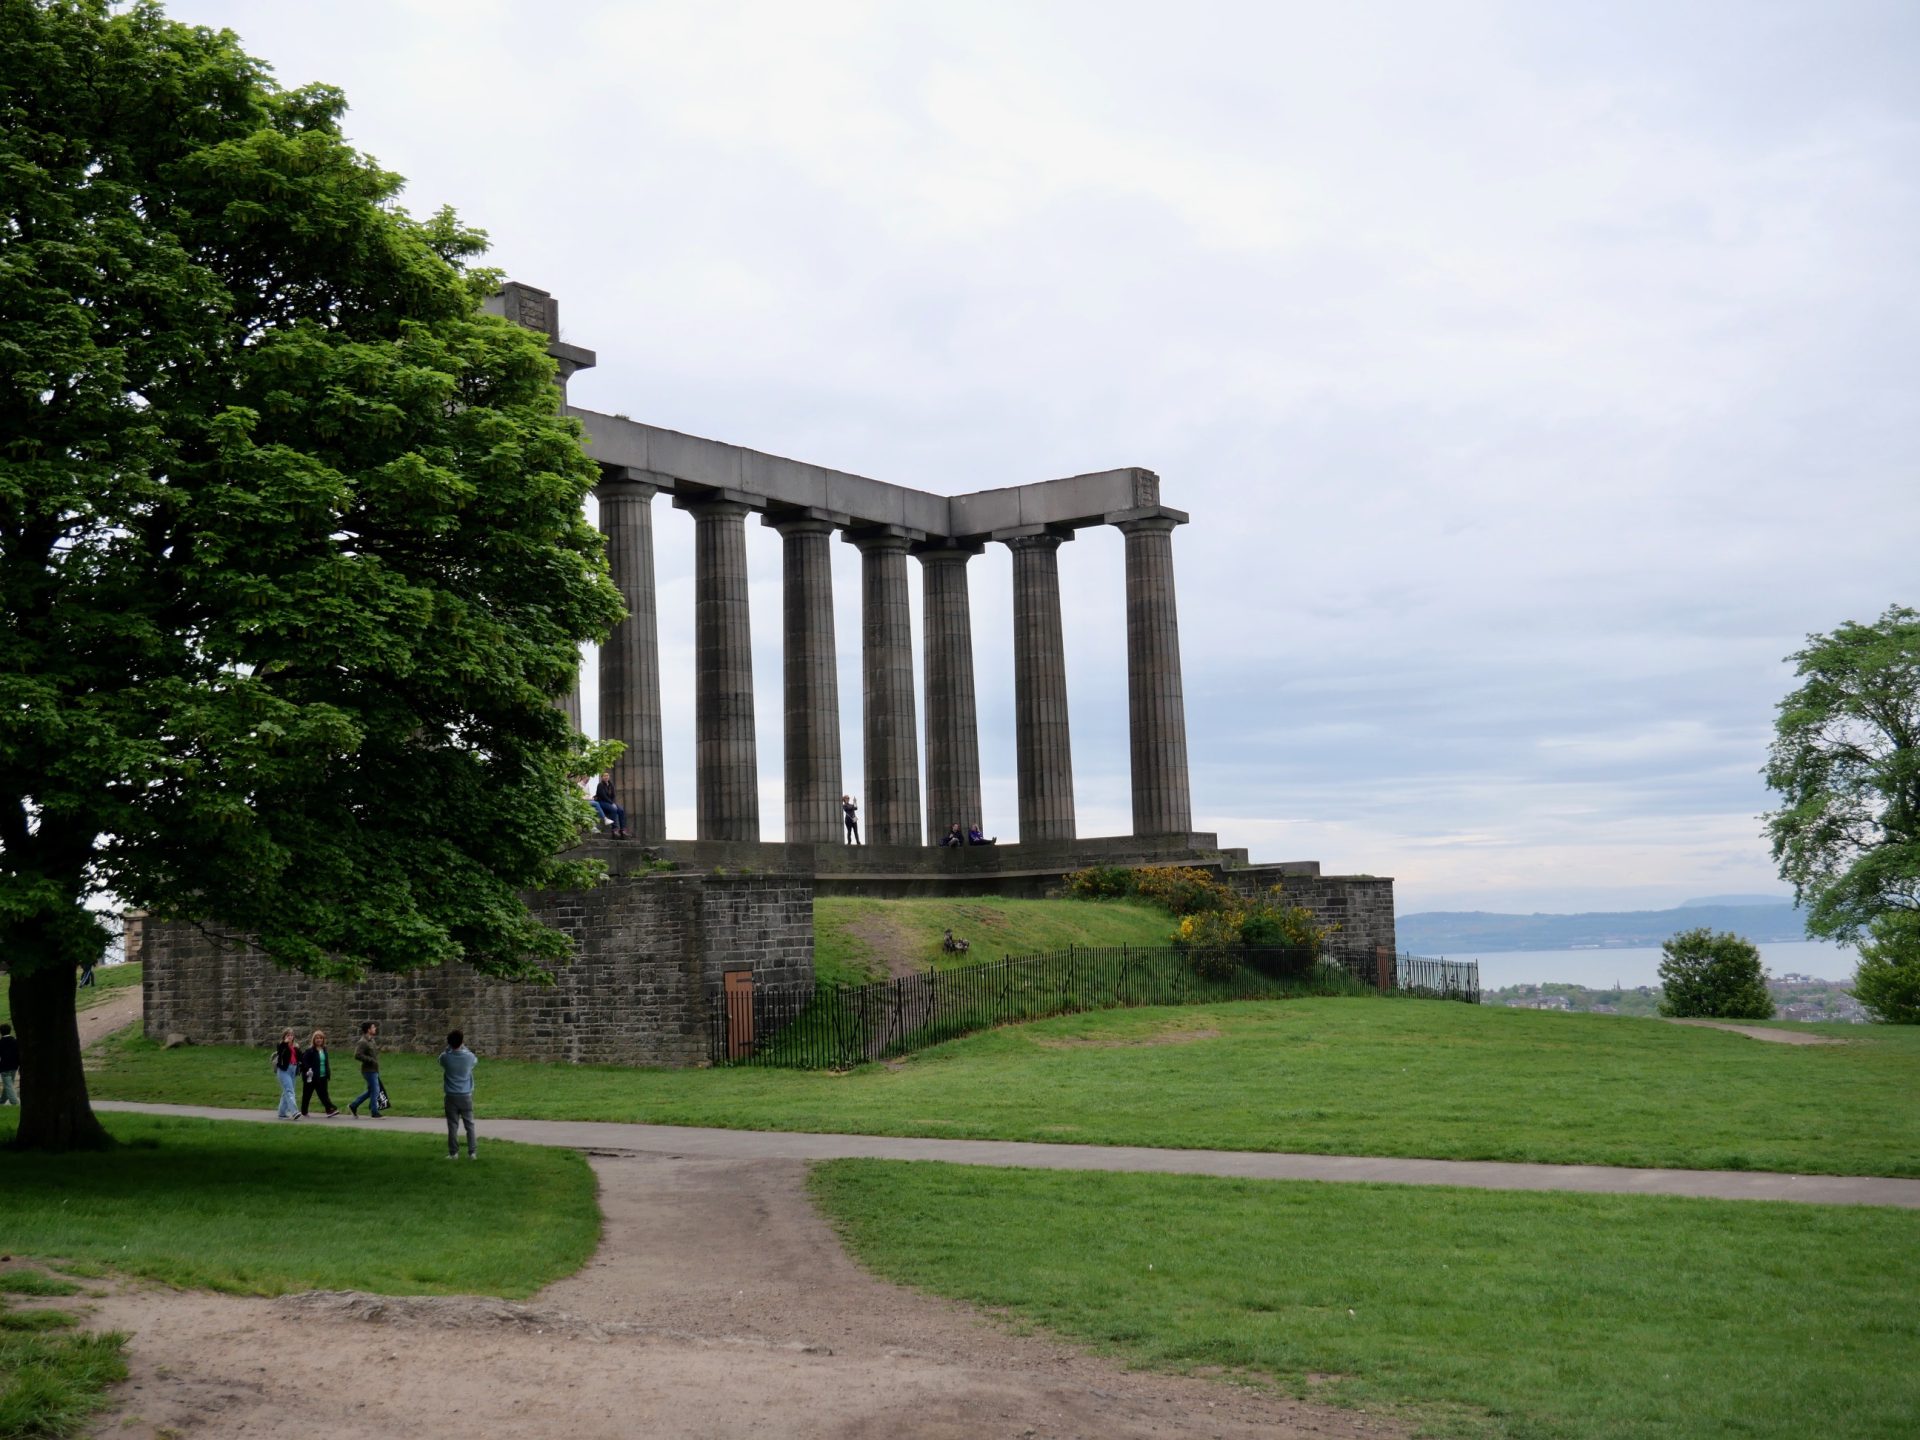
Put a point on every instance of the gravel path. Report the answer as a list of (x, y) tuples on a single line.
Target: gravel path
[(719, 1304), (774, 1145), (1762, 1032)]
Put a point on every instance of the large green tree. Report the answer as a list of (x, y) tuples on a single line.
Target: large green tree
[(1846, 763), (291, 542)]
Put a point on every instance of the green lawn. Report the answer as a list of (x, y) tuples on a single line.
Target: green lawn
[(1547, 1317), (856, 940), (1353, 1077), (263, 1209), (52, 1375), (106, 983)]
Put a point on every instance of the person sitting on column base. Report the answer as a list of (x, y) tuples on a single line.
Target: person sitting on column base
[(976, 836), (953, 836), (603, 801)]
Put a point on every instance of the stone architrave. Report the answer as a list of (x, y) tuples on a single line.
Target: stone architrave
[(1156, 704), (630, 658), (727, 770), (889, 723), (811, 680), (953, 730), (1043, 739)]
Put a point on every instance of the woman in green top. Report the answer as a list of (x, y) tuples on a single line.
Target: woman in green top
[(315, 1070)]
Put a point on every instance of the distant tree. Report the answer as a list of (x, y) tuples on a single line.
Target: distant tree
[(1846, 763), (1713, 976), (291, 545), (1887, 981)]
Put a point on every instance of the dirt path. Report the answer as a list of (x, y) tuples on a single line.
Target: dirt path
[(116, 1012), (1761, 1032), (719, 1304)]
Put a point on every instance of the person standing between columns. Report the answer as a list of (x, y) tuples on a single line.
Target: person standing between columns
[(850, 811)]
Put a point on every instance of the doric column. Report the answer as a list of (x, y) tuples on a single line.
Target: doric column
[(1156, 705), (812, 684), (953, 731), (630, 659), (892, 802), (727, 772), (1043, 740)]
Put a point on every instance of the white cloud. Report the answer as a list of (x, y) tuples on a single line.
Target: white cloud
[(1537, 377)]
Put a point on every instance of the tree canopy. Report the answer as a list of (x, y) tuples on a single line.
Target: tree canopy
[(1846, 763), (291, 541), (1713, 976)]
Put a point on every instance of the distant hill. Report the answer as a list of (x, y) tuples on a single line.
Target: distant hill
[(1458, 932)]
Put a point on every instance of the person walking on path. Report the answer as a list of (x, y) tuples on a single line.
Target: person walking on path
[(286, 1064), (850, 808), (86, 974), (456, 1064), (316, 1068), (367, 1052), (9, 1067)]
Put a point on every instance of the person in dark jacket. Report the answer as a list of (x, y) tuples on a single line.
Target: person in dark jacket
[(286, 1064), (316, 1068), (850, 812), (367, 1052), (604, 802), (953, 835), (9, 1067)]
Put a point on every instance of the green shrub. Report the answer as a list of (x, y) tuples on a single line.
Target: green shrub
[(1100, 882), (1888, 979), (1704, 975)]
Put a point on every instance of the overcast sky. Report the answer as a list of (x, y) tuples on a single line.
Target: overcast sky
[(1537, 377)]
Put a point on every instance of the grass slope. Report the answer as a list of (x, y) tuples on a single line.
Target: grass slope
[(106, 984), (1352, 1077), (857, 940), (1552, 1317), (266, 1209)]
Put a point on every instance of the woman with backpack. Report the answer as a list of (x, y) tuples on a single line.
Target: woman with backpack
[(286, 1064)]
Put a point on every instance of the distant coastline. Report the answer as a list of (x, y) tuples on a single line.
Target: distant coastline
[(1453, 932)]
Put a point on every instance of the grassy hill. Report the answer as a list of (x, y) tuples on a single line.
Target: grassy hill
[(857, 940)]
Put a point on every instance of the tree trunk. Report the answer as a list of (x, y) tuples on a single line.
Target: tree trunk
[(55, 1113)]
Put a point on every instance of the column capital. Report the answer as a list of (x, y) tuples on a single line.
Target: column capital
[(803, 522), (947, 552), (1036, 538), (882, 539), (1160, 522), (716, 502)]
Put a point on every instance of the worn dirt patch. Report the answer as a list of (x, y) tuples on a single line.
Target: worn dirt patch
[(719, 1304), (1170, 1035), (1761, 1032), (887, 942)]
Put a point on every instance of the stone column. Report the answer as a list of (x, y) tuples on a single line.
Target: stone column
[(953, 731), (1043, 741), (727, 771), (891, 806), (630, 660), (812, 683), (1156, 704)]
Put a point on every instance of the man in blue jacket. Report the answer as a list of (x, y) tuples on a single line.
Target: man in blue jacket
[(456, 1065)]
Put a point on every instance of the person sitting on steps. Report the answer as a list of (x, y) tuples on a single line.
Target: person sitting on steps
[(953, 835), (976, 836), (603, 801)]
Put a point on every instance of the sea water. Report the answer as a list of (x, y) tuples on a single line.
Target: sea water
[(1632, 966)]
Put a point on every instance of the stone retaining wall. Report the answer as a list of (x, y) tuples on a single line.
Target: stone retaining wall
[(1360, 905), (647, 952)]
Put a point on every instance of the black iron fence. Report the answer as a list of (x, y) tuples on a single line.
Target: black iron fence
[(835, 1027), (1437, 979)]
